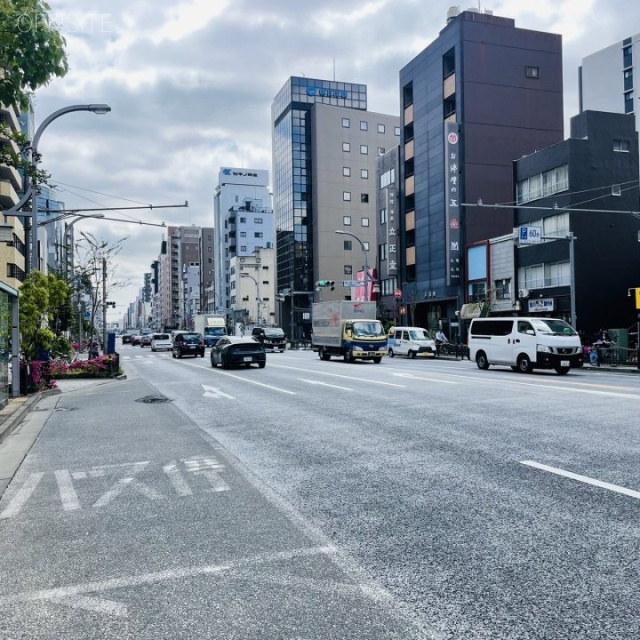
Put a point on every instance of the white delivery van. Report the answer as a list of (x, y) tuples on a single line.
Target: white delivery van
[(410, 342), (524, 344)]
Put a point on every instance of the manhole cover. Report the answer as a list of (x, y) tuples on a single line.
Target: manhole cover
[(153, 399)]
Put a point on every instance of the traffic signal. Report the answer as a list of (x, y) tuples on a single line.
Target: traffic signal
[(326, 283)]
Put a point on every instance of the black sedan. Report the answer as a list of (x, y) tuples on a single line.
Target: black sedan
[(232, 350)]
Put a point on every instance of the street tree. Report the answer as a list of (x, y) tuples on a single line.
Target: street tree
[(32, 50), (44, 300)]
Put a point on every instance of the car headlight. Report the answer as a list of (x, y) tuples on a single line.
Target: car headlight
[(543, 348)]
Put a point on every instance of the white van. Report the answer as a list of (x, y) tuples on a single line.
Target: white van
[(410, 342), (524, 344)]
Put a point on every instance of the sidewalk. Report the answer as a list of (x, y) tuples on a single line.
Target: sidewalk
[(15, 441)]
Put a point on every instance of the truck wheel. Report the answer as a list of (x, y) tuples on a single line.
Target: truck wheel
[(391, 354), (348, 356), (524, 364), (412, 355), (481, 360), (377, 360), (323, 354), (562, 371)]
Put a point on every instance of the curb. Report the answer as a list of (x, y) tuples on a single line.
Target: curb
[(12, 421)]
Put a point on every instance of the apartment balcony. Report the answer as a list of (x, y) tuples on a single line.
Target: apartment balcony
[(8, 195), (11, 174)]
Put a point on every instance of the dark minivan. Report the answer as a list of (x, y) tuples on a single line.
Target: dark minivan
[(188, 343), (271, 337)]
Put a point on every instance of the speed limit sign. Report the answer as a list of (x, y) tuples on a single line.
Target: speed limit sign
[(397, 293)]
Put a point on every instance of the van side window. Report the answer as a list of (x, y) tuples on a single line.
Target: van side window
[(491, 327), (405, 335), (525, 327), (398, 335)]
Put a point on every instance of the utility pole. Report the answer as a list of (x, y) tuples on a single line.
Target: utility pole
[(104, 305)]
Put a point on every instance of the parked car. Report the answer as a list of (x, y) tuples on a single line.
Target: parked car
[(235, 350), (145, 340), (271, 337), (161, 341), (188, 343)]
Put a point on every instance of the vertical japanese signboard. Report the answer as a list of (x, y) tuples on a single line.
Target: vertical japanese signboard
[(453, 177), (392, 230)]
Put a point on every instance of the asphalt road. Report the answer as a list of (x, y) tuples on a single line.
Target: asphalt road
[(414, 498)]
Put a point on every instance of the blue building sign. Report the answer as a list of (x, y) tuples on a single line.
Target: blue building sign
[(327, 93)]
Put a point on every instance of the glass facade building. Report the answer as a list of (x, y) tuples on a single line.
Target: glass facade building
[(292, 177)]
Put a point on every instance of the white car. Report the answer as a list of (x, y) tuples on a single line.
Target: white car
[(161, 341)]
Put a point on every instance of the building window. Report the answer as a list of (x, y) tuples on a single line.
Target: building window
[(364, 198), (628, 102), (364, 174), (257, 220), (348, 270), (532, 72), (381, 128), (346, 196), (383, 216), (242, 220), (503, 289), (347, 245), (243, 249), (381, 151), (346, 123), (346, 146), (628, 79), (622, 145), (387, 178), (258, 234), (382, 251), (543, 184), (364, 149), (365, 222), (346, 172), (366, 246), (364, 126), (396, 131), (346, 221), (243, 234)]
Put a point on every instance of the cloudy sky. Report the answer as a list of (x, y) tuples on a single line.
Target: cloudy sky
[(191, 82)]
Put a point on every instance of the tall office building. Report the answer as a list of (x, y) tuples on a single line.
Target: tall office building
[(608, 79), (243, 222), (325, 148), (483, 94)]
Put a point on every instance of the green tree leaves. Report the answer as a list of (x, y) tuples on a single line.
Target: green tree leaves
[(32, 50)]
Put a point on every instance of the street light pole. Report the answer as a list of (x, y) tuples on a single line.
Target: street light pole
[(572, 272), (68, 246), (93, 108), (258, 299), (366, 261)]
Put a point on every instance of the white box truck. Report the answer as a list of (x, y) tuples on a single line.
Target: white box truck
[(211, 327), (347, 329)]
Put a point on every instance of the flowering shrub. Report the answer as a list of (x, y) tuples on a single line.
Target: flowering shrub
[(41, 377), (100, 366)]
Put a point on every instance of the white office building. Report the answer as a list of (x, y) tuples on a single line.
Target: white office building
[(243, 221), (610, 78)]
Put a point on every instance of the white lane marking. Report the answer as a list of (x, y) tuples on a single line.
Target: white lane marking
[(585, 479), (214, 392), (414, 377), (337, 375), (24, 493), (177, 479), (97, 605), (129, 481), (68, 494), (231, 375), (62, 594), (326, 384)]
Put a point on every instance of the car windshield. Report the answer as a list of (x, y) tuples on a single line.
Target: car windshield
[(419, 335), (372, 328), (274, 333), (553, 327)]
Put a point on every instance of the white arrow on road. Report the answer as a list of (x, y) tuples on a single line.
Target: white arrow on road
[(326, 384), (214, 392)]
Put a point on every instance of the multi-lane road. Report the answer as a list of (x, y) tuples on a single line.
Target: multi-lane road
[(465, 504)]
